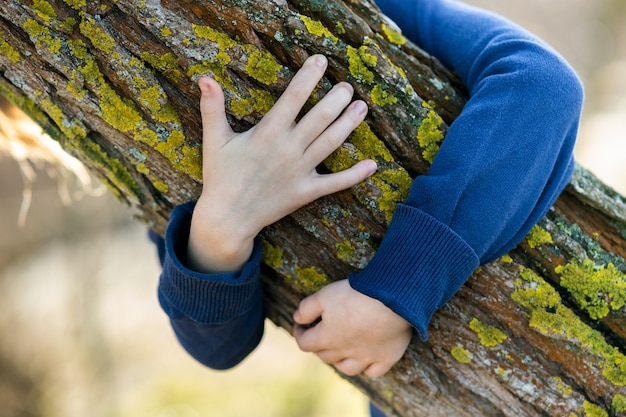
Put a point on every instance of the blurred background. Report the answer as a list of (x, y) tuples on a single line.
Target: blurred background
[(81, 333)]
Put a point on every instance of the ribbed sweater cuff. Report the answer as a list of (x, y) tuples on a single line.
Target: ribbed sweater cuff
[(420, 264), (204, 298)]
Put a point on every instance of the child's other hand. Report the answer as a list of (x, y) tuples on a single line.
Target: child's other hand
[(255, 178), (356, 334)]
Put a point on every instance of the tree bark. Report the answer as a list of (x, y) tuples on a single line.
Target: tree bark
[(541, 331)]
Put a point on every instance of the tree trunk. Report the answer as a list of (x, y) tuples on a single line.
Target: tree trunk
[(541, 331)]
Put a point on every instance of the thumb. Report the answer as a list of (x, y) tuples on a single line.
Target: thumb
[(215, 128), (309, 310)]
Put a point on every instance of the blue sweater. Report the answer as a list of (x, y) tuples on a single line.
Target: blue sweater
[(503, 163)]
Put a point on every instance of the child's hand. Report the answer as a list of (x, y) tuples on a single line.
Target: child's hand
[(356, 334), (255, 178)]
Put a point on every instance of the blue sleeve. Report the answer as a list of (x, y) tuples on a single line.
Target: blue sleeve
[(503, 163), (217, 318)]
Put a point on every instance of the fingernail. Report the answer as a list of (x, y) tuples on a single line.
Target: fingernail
[(372, 168), (320, 60), (360, 107), (203, 85)]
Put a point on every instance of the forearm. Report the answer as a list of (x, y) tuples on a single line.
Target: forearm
[(502, 164), (218, 318), (508, 155)]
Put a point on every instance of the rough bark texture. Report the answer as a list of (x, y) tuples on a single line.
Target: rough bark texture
[(541, 331)]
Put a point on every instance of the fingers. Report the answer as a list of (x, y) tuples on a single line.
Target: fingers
[(309, 310), (330, 356), (334, 135), (331, 183), (377, 369), (350, 367), (215, 128), (309, 339), (286, 109), (324, 113)]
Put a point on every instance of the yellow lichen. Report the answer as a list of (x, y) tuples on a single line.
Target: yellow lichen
[(506, 258), (74, 87), (381, 97), (315, 27), (549, 316), (598, 289), (122, 114), (393, 35), (166, 32), (156, 183), (7, 49), (191, 162), (461, 354), (358, 67), (44, 10), (76, 4), (345, 250), (262, 66), (147, 136), (429, 134), (216, 68), (370, 146), (79, 50), (489, 335), (216, 65), (311, 279), (186, 158), (619, 404), (166, 64), (119, 113), (70, 128), (169, 147), (395, 185), (368, 58), (116, 111), (340, 29), (160, 186), (260, 101), (561, 386), (593, 410), (206, 32), (152, 96), (41, 36), (99, 39), (272, 255), (142, 168), (538, 236)]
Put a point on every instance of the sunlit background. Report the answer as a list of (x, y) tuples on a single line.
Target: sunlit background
[(81, 333)]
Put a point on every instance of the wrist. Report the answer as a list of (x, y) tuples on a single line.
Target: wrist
[(209, 256), (217, 243)]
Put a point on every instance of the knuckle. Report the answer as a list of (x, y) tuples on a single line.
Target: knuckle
[(297, 92), (327, 115), (349, 371), (375, 371)]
